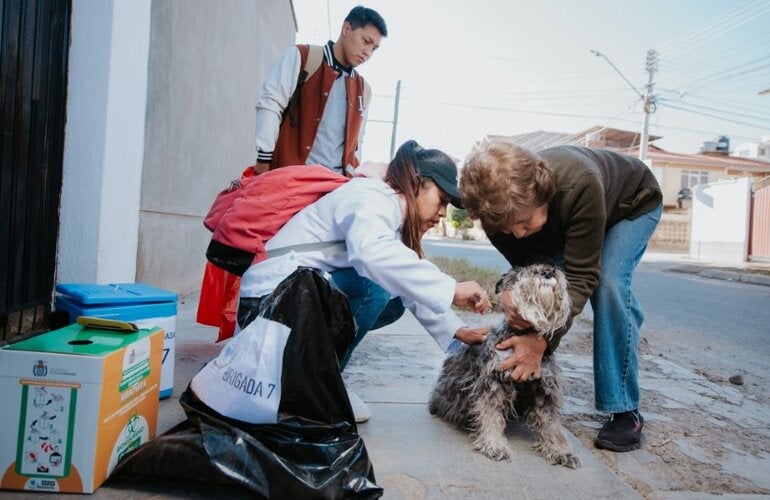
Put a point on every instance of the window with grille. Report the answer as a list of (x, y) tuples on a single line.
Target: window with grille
[(691, 178)]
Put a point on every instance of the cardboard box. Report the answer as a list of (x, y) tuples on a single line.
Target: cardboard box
[(145, 305), (74, 402)]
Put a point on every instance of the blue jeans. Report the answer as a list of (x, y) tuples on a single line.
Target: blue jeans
[(370, 304), (618, 315)]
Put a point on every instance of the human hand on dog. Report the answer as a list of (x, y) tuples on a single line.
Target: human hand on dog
[(472, 336), (512, 316), (526, 358), (471, 294)]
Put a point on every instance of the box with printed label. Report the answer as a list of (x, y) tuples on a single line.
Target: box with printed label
[(144, 305), (74, 402)]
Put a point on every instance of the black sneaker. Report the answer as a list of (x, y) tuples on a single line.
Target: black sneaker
[(622, 432)]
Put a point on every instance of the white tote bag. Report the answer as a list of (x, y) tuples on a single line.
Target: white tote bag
[(244, 381)]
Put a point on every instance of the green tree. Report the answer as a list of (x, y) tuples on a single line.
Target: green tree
[(459, 218)]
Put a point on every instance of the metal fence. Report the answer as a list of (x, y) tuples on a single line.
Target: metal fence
[(34, 42)]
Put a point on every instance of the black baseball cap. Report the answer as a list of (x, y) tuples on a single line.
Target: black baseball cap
[(444, 173)]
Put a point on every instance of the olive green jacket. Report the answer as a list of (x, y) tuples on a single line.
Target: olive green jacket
[(594, 190)]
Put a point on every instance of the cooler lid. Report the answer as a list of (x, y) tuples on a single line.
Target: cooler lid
[(115, 293)]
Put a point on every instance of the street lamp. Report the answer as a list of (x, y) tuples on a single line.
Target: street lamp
[(648, 98), (599, 54)]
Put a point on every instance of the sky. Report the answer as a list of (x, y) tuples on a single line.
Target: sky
[(502, 67)]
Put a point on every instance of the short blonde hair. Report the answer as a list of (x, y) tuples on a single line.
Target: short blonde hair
[(500, 180)]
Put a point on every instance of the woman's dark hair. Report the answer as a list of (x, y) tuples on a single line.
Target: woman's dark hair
[(361, 16), (402, 175)]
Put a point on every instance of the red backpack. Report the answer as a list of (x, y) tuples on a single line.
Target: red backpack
[(242, 219)]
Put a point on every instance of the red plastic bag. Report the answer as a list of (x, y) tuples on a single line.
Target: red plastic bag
[(218, 305)]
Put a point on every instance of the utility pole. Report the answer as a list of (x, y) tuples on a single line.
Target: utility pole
[(648, 99), (395, 121), (649, 103)]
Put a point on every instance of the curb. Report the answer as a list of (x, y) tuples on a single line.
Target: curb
[(735, 275), (754, 279)]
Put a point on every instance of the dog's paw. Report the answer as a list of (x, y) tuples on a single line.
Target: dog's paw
[(567, 460), (494, 451)]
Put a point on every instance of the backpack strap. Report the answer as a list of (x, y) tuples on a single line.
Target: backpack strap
[(312, 61), (315, 56), (329, 248)]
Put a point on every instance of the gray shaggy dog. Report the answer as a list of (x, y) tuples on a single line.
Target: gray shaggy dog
[(471, 393)]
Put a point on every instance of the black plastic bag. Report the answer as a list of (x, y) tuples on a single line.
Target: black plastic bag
[(313, 451)]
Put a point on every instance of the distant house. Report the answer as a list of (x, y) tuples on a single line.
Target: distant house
[(755, 150), (677, 171), (594, 137)]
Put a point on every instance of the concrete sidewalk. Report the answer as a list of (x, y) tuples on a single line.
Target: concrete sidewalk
[(414, 454)]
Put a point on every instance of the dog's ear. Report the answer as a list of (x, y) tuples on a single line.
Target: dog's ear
[(499, 284), (507, 280)]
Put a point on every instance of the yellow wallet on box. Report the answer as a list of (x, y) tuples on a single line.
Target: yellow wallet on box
[(74, 402)]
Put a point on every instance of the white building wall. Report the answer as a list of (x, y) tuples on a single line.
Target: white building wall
[(104, 141), (160, 115), (720, 220), (207, 62)]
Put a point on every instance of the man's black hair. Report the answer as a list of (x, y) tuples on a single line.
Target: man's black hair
[(361, 16)]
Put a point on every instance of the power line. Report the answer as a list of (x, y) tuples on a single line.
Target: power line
[(713, 29), (733, 52), (705, 27), (734, 90), (716, 110), (739, 105), (560, 92), (702, 132), (753, 125), (536, 96), (729, 73), (546, 62), (524, 111)]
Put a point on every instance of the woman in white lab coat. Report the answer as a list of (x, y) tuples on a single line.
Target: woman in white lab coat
[(366, 235)]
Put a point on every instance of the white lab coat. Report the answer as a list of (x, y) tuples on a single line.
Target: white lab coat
[(366, 215)]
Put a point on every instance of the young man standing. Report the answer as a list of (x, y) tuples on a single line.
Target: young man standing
[(318, 118)]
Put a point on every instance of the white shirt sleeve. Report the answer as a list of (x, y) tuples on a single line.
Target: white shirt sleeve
[(370, 223), (441, 327), (376, 252), (277, 89)]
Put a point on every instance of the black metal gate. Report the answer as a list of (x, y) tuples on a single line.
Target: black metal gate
[(34, 44)]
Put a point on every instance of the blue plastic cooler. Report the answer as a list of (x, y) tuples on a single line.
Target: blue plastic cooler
[(145, 305)]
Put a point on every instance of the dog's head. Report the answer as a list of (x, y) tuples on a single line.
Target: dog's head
[(539, 292)]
